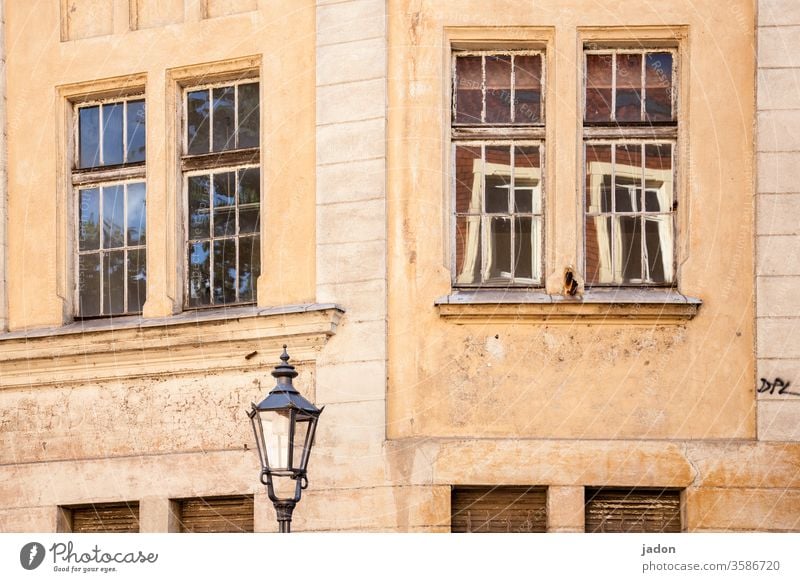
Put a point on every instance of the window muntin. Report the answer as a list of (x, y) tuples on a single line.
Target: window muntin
[(498, 135), (630, 132), (110, 259), (222, 194)]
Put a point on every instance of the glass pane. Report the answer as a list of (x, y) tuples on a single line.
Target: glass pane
[(498, 89), (469, 170), (112, 134), (199, 202), (225, 270), (275, 428), (658, 79), (628, 234), (469, 89), (468, 250), (658, 177), (113, 216), (89, 219), (199, 270), (136, 131), (498, 178), (499, 265), (527, 180), (629, 88), (248, 220), (249, 267), (137, 214), (527, 89), (89, 285), (248, 116), (599, 70), (224, 189), (224, 134), (659, 246), (114, 282), (598, 178), (298, 444), (225, 222), (89, 136), (599, 267), (197, 127), (628, 175), (249, 186), (137, 280), (524, 245)]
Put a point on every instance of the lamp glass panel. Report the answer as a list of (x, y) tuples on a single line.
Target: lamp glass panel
[(301, 427), (276, 437)]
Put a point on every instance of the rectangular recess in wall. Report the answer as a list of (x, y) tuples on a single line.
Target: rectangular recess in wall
[(86, 18), (155, 13), (228, 514), (613, 510), (498, 509), (217, 8), (102, 517)]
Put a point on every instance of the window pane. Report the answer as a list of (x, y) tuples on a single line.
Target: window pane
[(137, 214), (89, 136), (112, 134), (468, 250), (197, 126), (224, 189), (658, 177), (89, 285), (599, 268), (469, 170), (628, 174), (225, 270), (249, 220), (629, 88), (527, 89), (658, 76), (224, 134), (248, 115), (225, 222), (469, 89), (136, 131), (498, 89), (89, 219), (527, 180), (113, 216), (249, 267), (499, 251), (249, 186), (659, 246), (598, 178), (523, 247), (628, 232), (599, 70), (498, 178), (137, 280), (114, 283), (199, 269), (199, 202)]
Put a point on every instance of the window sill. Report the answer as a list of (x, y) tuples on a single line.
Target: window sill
[(596, 306), (193, 341)]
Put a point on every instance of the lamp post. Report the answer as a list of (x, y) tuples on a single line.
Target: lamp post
[(284, 424)]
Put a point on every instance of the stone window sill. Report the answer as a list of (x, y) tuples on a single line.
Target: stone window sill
[(596, 306), (193, 341)]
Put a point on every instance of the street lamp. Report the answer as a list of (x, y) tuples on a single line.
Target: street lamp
[(284, 424)]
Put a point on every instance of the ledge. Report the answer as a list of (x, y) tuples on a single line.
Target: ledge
[(598, 306), (195, 341)]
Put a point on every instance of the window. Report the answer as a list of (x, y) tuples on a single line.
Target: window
[(633, 510), (101, 518), (498, 509), (222, 192), (497, 137), (232, 514), (630, 132), (109, 183)]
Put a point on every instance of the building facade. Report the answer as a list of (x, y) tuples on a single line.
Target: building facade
[(535, 261)]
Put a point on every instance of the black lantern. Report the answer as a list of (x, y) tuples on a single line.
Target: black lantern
[(284, 424)]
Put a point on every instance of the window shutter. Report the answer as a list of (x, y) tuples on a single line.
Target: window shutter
[(498, 509), (216, 514), (633, 510), (106, 518)]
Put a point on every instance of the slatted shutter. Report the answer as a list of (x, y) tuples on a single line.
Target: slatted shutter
[(216, 514), (498, 509), (633, 510), (105, 518)]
